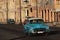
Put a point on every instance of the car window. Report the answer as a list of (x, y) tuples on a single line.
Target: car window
[(36, 21)]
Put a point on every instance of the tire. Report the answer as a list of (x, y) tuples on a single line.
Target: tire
[(45, 34), (28, 34)]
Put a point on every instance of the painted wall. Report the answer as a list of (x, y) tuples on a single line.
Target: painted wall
[(44, 11)]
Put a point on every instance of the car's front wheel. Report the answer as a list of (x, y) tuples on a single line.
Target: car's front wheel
[(45, 34), (28, 34)]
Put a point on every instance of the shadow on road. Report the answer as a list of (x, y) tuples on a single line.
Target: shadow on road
[(11, 28), (54, 32), (38, 35)]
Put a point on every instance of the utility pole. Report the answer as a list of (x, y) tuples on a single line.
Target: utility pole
[(7, 8), (20, 13), (37, 8)]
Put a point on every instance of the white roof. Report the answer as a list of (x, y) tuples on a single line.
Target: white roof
[(34, 18)]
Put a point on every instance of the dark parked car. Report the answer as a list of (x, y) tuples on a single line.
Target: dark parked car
[(11, 21)]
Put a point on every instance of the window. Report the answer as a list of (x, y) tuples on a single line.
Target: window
[(35, 21), (31, 9), (58, 2), (45, 11), (26, 1), (27, 12)]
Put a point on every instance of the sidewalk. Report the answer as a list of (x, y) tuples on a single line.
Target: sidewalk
[(52, 25), (15, 27)]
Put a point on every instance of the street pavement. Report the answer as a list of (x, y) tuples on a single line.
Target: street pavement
[(15, 32)]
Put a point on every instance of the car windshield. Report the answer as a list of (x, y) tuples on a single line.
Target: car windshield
[(35, 21)]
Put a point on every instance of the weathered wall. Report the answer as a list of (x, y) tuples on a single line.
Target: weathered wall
[(9, 9), (2, 11), (14, 10)]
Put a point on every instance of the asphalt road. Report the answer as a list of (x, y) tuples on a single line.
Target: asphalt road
[(7, 33)]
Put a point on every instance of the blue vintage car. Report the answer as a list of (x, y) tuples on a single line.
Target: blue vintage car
[(35, 25)]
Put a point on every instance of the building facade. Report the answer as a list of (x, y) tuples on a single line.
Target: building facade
[(56, 9), (49, 10)]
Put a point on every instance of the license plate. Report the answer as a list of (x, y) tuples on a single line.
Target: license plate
[(41, 32)]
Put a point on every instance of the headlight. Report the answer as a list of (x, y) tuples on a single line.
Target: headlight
[(33, 31)]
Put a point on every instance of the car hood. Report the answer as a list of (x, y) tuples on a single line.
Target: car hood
[(38, 25)]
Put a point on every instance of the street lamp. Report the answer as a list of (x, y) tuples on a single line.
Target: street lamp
[(26, 7), (20, 10)]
